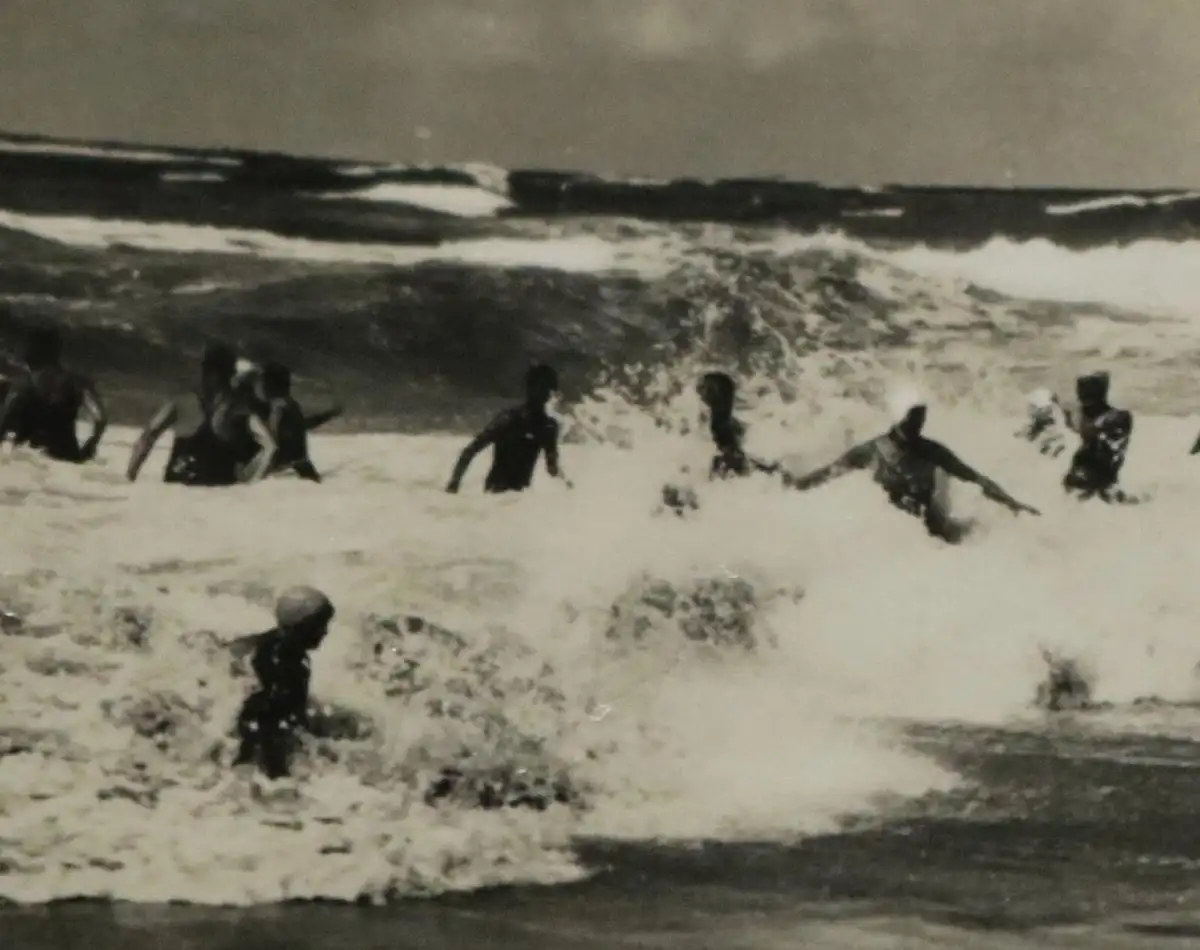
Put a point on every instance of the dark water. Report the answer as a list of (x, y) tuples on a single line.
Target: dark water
[(1063, 834)]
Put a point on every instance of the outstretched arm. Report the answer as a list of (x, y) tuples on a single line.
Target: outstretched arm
[(159, 424), (93, 407), (951, 464), (855, 460), (317, 419), (474, 447)]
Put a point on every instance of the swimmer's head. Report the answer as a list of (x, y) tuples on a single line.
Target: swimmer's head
[(717, 391), (1092, 388), (306, 612), (541, 382), (907, 408), (43, 347), (218, 363), (276, 380), (1041, 400)]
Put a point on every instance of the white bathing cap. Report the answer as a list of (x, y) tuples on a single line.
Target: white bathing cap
[(902, 400), (1041, 399)]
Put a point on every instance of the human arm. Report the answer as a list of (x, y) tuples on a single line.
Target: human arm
[(163, 419), (93, 408), (317, 419), (257, 468), (485, 438), (553, 463), (854, 460), (952, 465)]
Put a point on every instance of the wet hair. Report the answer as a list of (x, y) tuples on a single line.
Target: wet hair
[(219, 358), (43, 345), (541, 378), (276, 377), (721, 385), (1094, 385)]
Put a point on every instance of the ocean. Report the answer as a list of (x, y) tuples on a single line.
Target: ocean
[(788, 720)]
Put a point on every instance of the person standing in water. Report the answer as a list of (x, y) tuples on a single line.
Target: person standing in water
[(288, 424), (273, 714), (518, 437), (42, 406), (211, 428), (905, 465), (1104, 436), (718, 392)]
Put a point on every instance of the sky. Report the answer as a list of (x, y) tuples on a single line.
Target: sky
[(1089, 93)]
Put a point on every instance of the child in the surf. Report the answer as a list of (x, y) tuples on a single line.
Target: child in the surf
[(518, 437), (212, 428), (42, 405), (1104, 434), (905, 465), (1047, 423), (273, 714)]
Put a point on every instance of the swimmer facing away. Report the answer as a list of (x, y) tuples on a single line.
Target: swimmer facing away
[(212, 427), (43, 404), (518, 436), (273, 714), (1104, 435), (905, 465), (718, 392)]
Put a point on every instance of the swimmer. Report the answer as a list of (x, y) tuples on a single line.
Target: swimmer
[(1047, 424), (288, 424), (211, 428), (905, 465), (718, 391), (43, 405), (1104, 434), (272, 715), (518, 436)]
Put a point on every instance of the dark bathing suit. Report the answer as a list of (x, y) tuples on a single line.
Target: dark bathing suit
[(1097, 463), (209, 445), (907, 472), (47, 408), (519, 437), (272, 714)]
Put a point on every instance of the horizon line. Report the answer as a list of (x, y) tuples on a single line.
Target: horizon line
[(611, 177)]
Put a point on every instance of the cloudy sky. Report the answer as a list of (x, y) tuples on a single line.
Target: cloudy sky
[(1083, 92)]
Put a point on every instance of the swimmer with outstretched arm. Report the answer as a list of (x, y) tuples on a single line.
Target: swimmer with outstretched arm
[(905, 464)]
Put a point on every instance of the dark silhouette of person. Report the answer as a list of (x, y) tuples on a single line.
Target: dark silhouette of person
[(518, 436), (1104, 435), (289, 425), (274, 713), (718, 392), (43, 404)]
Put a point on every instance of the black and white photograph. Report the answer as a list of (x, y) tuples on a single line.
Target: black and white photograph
[(599, 474)]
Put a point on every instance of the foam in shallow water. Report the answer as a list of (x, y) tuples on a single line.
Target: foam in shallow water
[(116, 701)]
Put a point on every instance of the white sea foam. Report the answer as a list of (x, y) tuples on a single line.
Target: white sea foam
[(461, 200), (584, 254), (116, 154)]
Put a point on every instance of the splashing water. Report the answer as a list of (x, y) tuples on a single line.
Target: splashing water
[(575, 656)]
